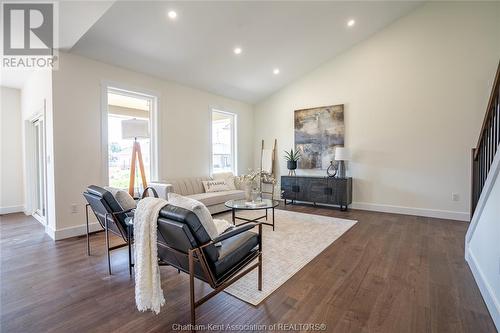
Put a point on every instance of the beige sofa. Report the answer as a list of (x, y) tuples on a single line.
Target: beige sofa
[(193, 188)]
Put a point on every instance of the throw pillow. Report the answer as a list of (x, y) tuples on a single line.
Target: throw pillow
[(222, 225), (198, 208), (215, 185), (123, 198), (228, 177)]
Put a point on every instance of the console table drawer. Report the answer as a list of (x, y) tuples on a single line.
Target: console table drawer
[(316, 191)]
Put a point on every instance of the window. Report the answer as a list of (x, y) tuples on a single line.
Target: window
[(223, 142), (122, 106)]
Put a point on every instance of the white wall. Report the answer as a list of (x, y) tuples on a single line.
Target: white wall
[(11, 175), (415, 95), (36, 99), (183, 130)]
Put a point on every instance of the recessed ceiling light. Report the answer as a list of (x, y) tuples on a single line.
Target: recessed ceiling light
[(237, 50), (276, 71), (351, 23), (172, 14)]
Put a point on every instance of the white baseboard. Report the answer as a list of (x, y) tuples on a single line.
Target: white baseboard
[(461, 216), (492, 303), (71, 231), (436, 213), (11, 209), (50, 231), (441, 214)]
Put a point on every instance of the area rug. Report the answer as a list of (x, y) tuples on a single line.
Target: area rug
[(298, 238)]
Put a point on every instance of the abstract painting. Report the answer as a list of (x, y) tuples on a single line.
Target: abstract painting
[(317, 132)]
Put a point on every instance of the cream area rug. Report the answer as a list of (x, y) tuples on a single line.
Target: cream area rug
[(298, 238)]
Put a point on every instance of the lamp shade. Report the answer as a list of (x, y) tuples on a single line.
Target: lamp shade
[(135, 128), (342, 154)]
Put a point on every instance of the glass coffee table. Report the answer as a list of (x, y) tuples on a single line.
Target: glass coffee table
[(264, 204)]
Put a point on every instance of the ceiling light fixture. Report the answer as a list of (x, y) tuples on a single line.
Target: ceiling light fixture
[(276, 71), (237, 50), (351, 23), (172, 15)]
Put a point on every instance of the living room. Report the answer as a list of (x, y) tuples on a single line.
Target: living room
[(382, 220)]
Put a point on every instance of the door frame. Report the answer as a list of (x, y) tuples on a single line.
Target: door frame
[(31, 169)]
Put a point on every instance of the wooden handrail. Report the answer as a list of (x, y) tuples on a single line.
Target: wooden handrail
[(487, 145), (489, 110)]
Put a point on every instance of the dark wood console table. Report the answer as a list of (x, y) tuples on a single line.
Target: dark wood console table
[(317, 189)]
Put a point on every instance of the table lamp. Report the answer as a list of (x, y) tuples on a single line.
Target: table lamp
[(135, 129), (342, 154)]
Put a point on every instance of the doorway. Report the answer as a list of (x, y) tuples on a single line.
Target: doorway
[(37, 171), (40, 167)]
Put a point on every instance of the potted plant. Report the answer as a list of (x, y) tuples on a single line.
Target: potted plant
[(291, 158)]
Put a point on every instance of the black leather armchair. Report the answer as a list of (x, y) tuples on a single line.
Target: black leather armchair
[(112, 218), (184, 244)]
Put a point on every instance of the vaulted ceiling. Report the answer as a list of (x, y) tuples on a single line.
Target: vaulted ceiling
[(196, 48)]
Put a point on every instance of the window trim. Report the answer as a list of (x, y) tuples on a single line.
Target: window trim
[(131, 91), (234, 138)]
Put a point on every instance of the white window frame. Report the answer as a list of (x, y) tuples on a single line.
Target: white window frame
[(234, 138), (127, 90)]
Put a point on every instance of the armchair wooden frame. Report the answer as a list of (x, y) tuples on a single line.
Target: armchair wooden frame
[(238, 271), (125, 234), (128, 238)]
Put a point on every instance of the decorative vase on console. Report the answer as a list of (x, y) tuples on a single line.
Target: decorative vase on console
[(291, 165), (332, 170)]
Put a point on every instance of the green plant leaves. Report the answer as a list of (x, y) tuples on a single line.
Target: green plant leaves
[(292, 155)]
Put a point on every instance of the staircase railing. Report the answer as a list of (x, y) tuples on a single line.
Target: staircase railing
[(487, 145)]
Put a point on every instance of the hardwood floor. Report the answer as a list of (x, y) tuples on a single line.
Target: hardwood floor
[(389, 273)]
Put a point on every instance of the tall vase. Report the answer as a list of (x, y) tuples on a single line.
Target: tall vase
[(248, 192)]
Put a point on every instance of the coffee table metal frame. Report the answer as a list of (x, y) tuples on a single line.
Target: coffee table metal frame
[(234, 208)]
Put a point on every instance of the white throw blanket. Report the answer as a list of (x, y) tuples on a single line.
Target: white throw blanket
[(148, 292)]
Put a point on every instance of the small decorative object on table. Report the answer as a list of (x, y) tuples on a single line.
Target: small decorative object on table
[(332, 170), (341, 154), (249, 183), (291, 158), (256, 196), (254, 204)]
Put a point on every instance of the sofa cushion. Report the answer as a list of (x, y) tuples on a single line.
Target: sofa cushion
[(215, 198), (187, 186), (228, 177), (216, 185)]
